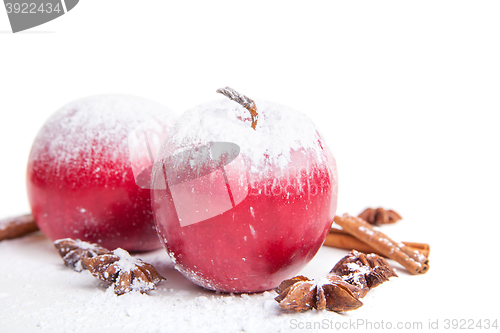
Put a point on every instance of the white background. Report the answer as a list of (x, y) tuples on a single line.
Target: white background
[(407, 95)]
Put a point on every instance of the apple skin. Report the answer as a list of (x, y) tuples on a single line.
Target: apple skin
[(266, 238), (79, 177)]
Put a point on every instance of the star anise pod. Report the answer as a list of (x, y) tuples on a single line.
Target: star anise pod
[(73, 250), (379, 216), (365, 271), (333, 294), (125, 272)]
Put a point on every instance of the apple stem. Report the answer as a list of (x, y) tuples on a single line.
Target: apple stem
[(248, 103)]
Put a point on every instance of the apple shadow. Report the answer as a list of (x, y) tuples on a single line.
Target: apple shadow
[(177, 284)]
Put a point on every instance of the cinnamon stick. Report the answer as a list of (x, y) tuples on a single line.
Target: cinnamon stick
[(414, 261), (338, 238), (17, 226)]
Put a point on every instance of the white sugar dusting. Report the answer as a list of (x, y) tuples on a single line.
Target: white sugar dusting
[(126, 263), (366, 230), (39, 291), (358, 271), (420, 256), (79, 266), (322, 281), (363, 269), (79, 243), (279, 130), (139, 285), (86, 129), (252, 230)]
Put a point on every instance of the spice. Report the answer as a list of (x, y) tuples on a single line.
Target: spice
[(365, 271), (73, 250), (414, 261), (125, 272), (348, 281), (379, 216), (17, 226), (338, 238), (333, 294)]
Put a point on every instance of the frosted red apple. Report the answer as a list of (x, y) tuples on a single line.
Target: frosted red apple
[(245, 218), (80, 179)]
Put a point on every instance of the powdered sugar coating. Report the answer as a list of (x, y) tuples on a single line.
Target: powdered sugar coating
[(126, 263), (86, 128), (80, 179), (78, 243), (279, 130), (287, 183)]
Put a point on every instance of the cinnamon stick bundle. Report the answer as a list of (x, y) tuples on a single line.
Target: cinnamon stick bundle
[(413, 260), (338, 238), (17, 226)]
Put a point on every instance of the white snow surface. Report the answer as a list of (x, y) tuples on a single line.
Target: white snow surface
[(39, 293)]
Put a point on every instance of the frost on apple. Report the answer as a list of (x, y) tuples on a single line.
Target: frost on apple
[(246, 221), (144, 143), (80, 179), (205, 181)]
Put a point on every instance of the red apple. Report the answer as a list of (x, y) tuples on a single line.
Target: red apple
[(80, 175), (242, 203)]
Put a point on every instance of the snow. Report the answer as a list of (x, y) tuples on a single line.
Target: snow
[(80, 244), (39, 293), (279, 130), (126, 263), (85, 129)]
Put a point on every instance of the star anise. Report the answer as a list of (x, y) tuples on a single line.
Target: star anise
[(125, 272), (379, 216), (365, 271), (333, 294), (72, 251)]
